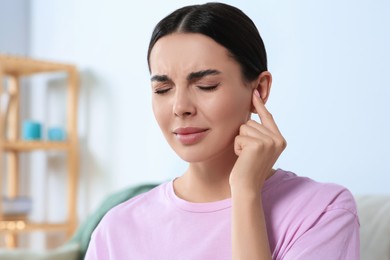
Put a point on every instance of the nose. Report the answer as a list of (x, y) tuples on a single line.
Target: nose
[(183, 104)]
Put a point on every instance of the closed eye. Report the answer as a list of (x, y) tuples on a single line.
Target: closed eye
[(208, 88), (161, 91)]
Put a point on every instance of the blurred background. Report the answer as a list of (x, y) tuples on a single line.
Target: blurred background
[(330, 94)]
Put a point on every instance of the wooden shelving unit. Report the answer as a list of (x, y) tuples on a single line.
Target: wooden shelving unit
[(24, 146), (13, 69)]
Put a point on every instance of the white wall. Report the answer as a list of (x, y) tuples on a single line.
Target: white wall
[(329, 60), (14, 39), (14, 29)]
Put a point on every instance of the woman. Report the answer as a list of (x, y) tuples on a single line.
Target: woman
[(208, 74)]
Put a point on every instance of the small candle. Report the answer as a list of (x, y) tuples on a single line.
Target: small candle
[(31, 130), (56, 134)]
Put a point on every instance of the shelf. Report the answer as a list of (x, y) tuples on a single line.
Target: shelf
[(14, 217), (34, 145), (12, 69), (20, 66), (17, 226)]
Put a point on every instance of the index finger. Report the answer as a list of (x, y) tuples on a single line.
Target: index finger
[(265, 116)]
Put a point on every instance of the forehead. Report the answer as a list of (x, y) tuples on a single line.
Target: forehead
[(187, 52)]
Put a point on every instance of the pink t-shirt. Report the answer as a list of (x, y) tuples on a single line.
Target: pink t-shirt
[(305, 220)]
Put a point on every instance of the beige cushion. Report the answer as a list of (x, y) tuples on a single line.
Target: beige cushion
[(374, 216)]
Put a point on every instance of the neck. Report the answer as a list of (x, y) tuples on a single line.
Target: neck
[(208, 180)]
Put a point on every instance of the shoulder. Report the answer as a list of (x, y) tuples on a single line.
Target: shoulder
[(134, 207), (288, 188), (122, 220), (148, 199), (307, 218)]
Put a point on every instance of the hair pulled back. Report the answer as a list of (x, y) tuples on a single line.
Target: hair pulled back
[(225, 24)]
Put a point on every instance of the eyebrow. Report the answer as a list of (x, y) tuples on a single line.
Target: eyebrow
[(191, 77), (201, 74), (160, 78)]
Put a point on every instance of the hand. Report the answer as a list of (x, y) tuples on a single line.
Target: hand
[(257, 146)]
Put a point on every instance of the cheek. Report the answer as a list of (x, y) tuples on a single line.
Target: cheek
[(231, 109), (160, 113)]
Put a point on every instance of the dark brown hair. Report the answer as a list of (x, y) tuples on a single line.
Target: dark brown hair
[(225, 24)]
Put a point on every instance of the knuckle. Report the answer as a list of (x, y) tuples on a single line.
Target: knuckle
[(268, 142), (269, 115), (242, 128), (251, 122), (284, 143), (281, 143)]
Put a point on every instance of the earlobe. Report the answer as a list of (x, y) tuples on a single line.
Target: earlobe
[(263, 85)]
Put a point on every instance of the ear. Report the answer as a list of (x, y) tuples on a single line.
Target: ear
[(263, 85)]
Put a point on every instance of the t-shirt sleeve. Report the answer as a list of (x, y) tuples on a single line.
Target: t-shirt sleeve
[(97, 249), (335, 235)]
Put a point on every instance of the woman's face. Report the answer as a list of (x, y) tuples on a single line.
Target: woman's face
[(199, 95)]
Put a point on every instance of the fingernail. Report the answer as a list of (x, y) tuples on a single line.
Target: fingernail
[(257, 93)]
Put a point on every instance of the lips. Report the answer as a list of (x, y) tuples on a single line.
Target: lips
[(190, 135)]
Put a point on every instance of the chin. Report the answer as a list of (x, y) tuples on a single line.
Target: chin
[(203, 153), (192, 156)]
